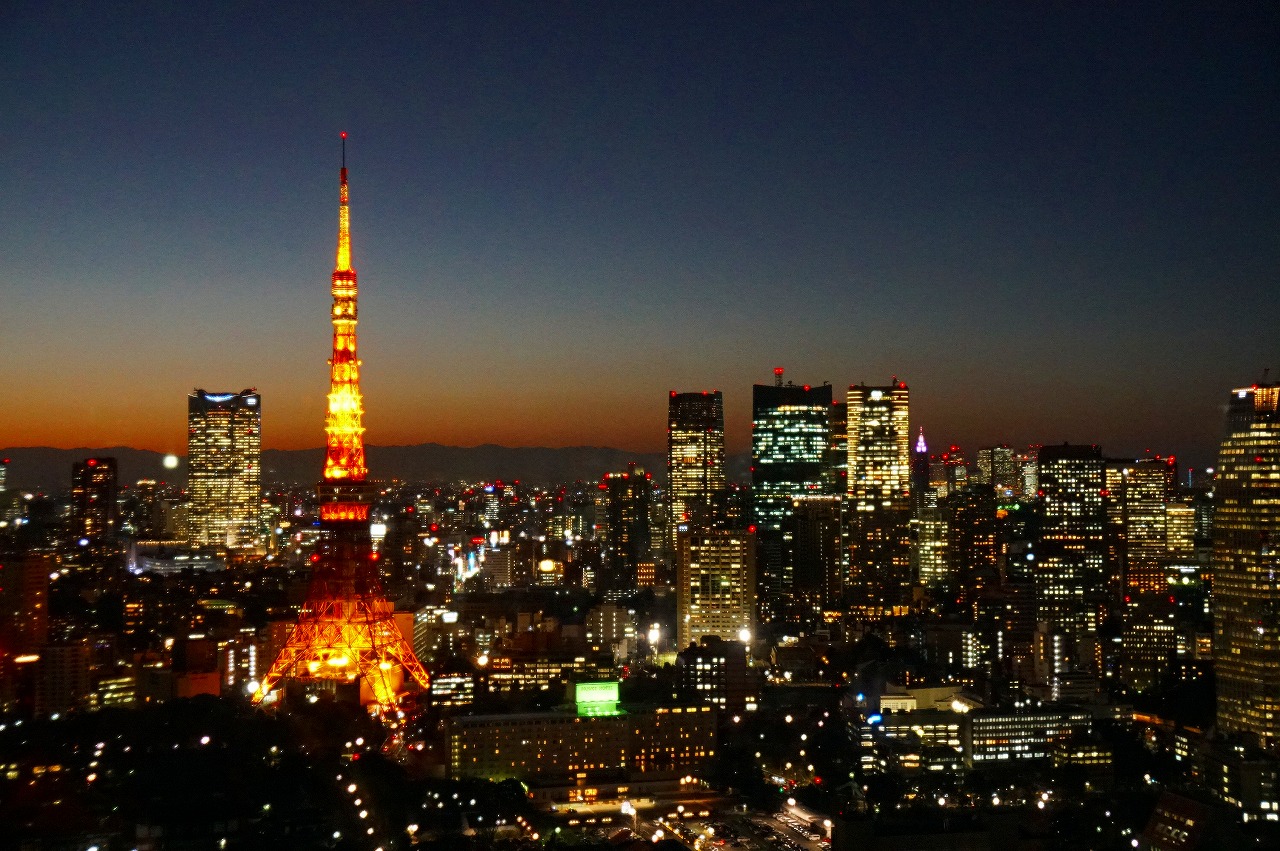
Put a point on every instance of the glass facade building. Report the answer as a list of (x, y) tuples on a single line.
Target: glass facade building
[(879, 496), (695, 460), (224, 468), (1246, 566), (790, 458)]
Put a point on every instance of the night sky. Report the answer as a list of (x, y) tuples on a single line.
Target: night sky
[(1054, 221)]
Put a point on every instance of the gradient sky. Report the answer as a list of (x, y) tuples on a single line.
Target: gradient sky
[(1054, 221)]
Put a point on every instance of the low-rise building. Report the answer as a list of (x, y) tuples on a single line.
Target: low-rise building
[(716, 672), (593, 752), (519, 669), (990, 736), (1244, 777)]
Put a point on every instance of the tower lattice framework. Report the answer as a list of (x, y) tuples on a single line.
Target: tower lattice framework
[(346, 631)]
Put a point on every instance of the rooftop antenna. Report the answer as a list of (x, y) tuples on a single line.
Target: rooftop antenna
[(344, 148), (777, 376)]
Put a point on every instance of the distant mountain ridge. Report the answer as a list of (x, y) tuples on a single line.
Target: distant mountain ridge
[(46, 469)]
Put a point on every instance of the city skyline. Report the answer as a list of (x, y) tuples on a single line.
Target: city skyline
[(1055, 225), (1000, 226)]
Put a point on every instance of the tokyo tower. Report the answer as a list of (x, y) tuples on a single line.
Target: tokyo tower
[(346, 631)]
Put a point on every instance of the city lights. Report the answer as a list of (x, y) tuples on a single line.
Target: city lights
[(558, 584)]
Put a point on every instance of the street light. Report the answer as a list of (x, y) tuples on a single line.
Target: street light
[(629, 810)]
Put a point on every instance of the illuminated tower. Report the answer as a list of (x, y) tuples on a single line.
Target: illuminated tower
[(695, 460), (923, 496), (224, 468), (1246, 566), (347, 630)]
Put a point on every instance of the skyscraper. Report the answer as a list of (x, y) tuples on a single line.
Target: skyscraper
[(1246, 582), (879, 497), (93, 499), (790, 456), (923, 494), (815, 554), (622, 527), (1138, 494), (1069, 573), (996, 468), (715, 585), (929, 564), (973, 547), (224, 468), (695, 460), (838, 463), (1027, 465), (24, 596)]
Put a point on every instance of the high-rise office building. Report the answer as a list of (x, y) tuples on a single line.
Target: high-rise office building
[(1148, 639), (948, 471), (815, 554), (996, 468), (838, 465), (715, 586), (1070, 554), (622, 527), (1028, 471), (715, 671), (24, 595), (879, 497), (790, 457), (929, 563), (923, 494), (695, 460), (1137, 499), (4, 473), (1180, 532), (94, 491), (224, 468), (1246, 583), (974, 545)]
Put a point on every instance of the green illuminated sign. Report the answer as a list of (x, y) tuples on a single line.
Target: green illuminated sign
[(596, 698)]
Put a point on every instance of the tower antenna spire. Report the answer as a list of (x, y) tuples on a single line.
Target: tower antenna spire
[(344, 148)]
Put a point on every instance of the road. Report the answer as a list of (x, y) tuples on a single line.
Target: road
[(732, 832), (700, 824)]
